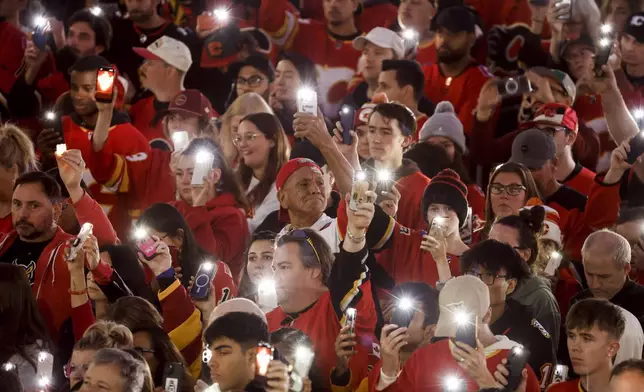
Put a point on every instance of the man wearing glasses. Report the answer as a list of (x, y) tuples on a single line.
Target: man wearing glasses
[(502, 269), (253, 75)]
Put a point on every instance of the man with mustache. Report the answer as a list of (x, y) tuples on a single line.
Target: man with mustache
[(37, 244), (141, 26), (456, 77)]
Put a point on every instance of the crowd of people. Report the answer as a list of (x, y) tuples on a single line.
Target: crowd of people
[(322, 195)]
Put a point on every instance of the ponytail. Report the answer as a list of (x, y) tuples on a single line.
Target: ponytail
[(17, 149)]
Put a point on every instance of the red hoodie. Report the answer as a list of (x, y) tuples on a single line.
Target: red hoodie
[(52, 281), (220, 227)]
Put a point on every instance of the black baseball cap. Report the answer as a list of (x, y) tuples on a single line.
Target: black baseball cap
[(256, 61), (635, 26), (533, 148), (455, 19)]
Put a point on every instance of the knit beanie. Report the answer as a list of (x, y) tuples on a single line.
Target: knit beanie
[(447, 188), (444, 123)]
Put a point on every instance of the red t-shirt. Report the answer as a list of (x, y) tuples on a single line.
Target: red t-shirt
[(426, 53), (143, 114), (567, 386)]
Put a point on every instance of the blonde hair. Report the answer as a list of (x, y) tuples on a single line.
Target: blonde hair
[(244, 105), (105, 334), (17, 149)]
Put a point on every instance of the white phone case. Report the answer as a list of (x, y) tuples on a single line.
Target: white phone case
[(180, 140), (80, 239), (307, 102), (202, 168), (553, 264)]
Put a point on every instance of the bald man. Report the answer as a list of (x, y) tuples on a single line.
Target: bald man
[(606, 257), (627, 377)]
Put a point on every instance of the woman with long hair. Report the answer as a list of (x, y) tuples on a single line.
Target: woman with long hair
[(150, 339), (242, 106), (23, 334), (17, 156), (259, 265), (511, 186), (263, 149), (214, 211)]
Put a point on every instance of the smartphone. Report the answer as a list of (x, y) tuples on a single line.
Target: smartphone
[(180, 140), (350, 319), (437, 227), (61, 149), (561, 374), (467, 332), (358, 190), (347, 117), (307, 101), (303, 362), (80, 239), (172, 377), (265, 354), (49, 119), (402, 316), (39, 37), (553, 264), (511, 87), (603, 54), (45, 368), (517, 360), (385, 180), (201, 286), (148, 246), (562, 3), (637, 148), (203, 166), (105, 84)]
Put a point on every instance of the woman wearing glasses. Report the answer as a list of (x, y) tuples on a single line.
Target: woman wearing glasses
[(263, 150), (510, 187)]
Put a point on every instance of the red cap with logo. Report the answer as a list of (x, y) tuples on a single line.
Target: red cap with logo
[(555, 114), (191, 103), (286, 172)]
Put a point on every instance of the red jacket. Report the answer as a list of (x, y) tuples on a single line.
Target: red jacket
[(106, 188), (6, 224), (336, 59), (220, 227), (143, 113), (52, 281), (426, 54), (349, 286), (426, 368), (462, 91)]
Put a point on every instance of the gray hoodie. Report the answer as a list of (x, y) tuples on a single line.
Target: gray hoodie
[(535, 292)]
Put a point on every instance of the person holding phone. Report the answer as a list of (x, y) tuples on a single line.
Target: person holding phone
[(501, 268), (471, 366), (115, 370)]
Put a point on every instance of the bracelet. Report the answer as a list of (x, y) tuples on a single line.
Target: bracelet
[(355, 239), (84, 291)]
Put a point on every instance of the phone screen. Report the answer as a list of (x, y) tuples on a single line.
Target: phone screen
[(467, 333), (347, 115), (263, 358), (105, 84)]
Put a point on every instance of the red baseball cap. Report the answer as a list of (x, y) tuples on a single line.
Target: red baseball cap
[(555, 114), (286, 172), (192, 103), (363, 114)]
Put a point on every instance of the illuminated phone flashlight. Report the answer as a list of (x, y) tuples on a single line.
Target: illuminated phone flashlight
[(204, 156), (461, 317), (361, 176), (266, 286), (96, 10), (8, 367), (384, 175), (410, 34), (206, 355), (453, 383), (306, 94), (638, 114), (44, 381), (345, 109), (40, 21), (61, 149), (405, 303), (604, 42), (180, 139), (50, 115), (518, 350), (140, 233), (221, 14), (607, 28), (207, 266)]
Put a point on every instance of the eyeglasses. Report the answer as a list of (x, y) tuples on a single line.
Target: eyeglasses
[(253, 81), (142, 350), (248, 137), (70, 369), (487, 278), (299, 235), (512, 189)]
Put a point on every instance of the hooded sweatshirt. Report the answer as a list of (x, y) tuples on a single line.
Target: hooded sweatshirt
[(535, 293)]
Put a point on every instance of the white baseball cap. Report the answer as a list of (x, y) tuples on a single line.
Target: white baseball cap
[(170, 50), (384, 38)]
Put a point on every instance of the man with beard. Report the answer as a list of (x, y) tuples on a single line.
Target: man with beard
[(142, 26), (37, 245), (88, 35), (77, 131), (456, 77)]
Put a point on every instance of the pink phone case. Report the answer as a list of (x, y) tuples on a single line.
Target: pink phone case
[(148, 247)]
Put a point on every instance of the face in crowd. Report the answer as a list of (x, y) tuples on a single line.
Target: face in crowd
[(588, 349), (253, 146), (231, 364), (416, 14), (141, 11), (453, 47), (372, 57), (83, 89), (81, 39), (507, 194), (250, 79), (386, 139), (448, 220), (260, 260), (632, 51), (287, 81), (339, 12), (32, 212)]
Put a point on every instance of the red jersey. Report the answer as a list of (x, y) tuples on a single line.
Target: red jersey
[(420, 121), (416, 374), (322, 320), (335, 57), (567, 386), (591, 113), (12, 51), (581, 180), (124, 140), (426, 53), (144, 114), (476, 200), (501, 12), (633, 95), (374, 13), (404, 261), (462, 90), (220, 227)]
